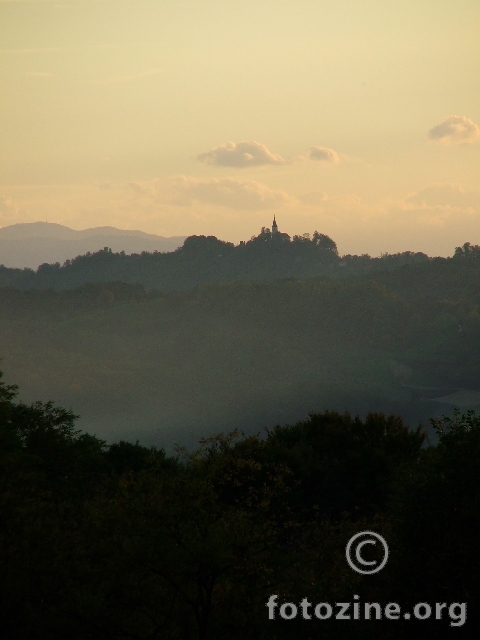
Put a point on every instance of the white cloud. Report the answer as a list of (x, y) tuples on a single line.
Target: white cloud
[(440, 206), (8, 208), (59, 3), (455, 130), (11, 212), (128, 77), (136, 187), (225, 192), (446, 195), (38, 74), (34, 51), (243, 154), (313, 198), (323, 154)]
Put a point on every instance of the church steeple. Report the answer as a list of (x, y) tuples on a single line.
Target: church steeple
[(274, 226)]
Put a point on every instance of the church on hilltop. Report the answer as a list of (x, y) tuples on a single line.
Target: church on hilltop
[(277, 234), (266, 235)]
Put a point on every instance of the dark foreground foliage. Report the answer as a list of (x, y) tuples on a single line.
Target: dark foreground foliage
[(121, 541)]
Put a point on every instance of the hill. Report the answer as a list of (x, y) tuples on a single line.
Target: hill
[(32, 244), (208, 260), (212, 336), (166, 367)]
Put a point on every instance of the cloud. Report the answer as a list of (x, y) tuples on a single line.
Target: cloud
[(243, 154), (441, 206), (446, 195), (226, 192), (10, 210), (323, 154), (136, 187), (313, 198), (94, 47), (36, 50), (455, 130), (38, 74), (128, 77), (7, 206)]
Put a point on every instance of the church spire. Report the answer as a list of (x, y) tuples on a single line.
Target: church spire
[(274, 226)]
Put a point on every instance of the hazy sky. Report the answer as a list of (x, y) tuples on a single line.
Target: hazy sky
[(180, 117)]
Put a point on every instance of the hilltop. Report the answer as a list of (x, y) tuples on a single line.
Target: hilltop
[(207, 260)]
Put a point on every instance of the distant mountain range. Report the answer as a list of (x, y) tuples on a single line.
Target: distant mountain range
[(34, 243)]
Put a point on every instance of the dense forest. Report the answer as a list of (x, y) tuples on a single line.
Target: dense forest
[(207, 260), (170, 366), (243, 412), (107, 542)]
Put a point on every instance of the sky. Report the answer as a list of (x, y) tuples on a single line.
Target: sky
[(180, 117)]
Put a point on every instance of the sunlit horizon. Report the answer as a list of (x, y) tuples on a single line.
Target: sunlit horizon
[(183, 118)]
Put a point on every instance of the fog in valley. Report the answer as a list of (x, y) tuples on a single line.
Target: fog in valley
[(398, 334)]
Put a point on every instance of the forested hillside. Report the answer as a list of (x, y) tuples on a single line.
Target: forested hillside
[(207, 260), (118, 541), (168, 366)]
